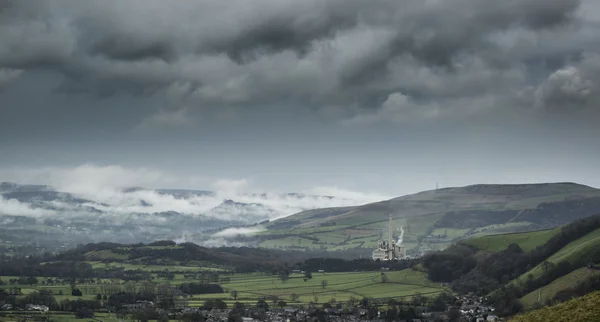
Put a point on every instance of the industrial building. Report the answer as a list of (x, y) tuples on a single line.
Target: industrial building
[(390, 250)]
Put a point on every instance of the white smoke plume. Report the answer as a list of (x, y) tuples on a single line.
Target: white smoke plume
[(400, 239)]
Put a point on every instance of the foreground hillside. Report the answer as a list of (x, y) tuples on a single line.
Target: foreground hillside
[(563, 270), (581, 309), (521, 271), (435, 219)]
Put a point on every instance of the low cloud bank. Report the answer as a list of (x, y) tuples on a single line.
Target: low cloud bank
[(232, 232), (14, 207), (108, 189)]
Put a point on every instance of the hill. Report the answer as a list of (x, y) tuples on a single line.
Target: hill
[(435, 219), (582, 309), (553, 266), (526, 240)]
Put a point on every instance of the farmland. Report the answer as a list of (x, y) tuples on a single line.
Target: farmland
[(248, 289), (252, 287), (339, 286)]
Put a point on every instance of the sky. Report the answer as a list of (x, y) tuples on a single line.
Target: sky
[(359, 98)]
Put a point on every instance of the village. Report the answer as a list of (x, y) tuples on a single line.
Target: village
[(471, 308)]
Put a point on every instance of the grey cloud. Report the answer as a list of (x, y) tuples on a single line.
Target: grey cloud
[(573, 87), (348, 54)]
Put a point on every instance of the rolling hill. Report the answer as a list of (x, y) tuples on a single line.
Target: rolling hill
[(523, 271), (435, 219)]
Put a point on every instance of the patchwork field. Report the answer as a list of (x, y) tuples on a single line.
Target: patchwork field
[(339, 287), (249, 288)]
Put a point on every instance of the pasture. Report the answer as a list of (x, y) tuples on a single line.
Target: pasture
[(338, 287), (297, 290)]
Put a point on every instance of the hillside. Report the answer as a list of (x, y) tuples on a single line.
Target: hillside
[(435, 219), (546, 293), (576, 252), (526, 240), (582, 309)]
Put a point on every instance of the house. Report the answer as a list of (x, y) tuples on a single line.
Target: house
[(492, 318), (33, 307), (291, 311), (139, 305)]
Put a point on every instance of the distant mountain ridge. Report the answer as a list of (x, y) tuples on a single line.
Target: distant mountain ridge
[(138, 214), (436, 218)]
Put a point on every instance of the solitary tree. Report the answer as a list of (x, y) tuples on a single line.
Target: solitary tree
[(295, 297), (284, 276), (384, 278), (234, 294), (323, 283)]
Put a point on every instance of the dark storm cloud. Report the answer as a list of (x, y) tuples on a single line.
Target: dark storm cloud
[(353, 55)]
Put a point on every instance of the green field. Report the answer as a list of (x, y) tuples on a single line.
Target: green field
[(527, 241), (547, 292), (572, 252), (340, 286)]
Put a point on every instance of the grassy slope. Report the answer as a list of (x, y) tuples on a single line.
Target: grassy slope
[(527, 241), (572, 252), (422, 216), (582, 309), (549, 291)]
